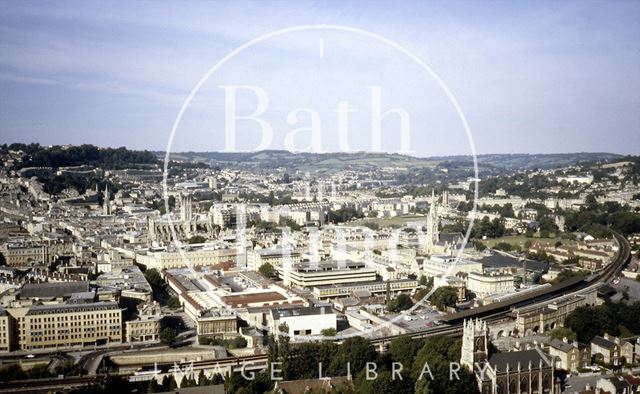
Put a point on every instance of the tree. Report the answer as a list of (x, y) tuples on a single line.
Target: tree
[(354, 350), (329, 332), (504, 246), (507, 211), (438, 352), (235, 383), (288, 222), (197, 239), (202, 379), (566, 275), (302, 361), (400, 303), (383, 383), (587, 322), (153, 277), (267, 270), (238, 342), (561, 333), (547, 226), (404, 349), (174, 302), (479, 245), (168, 336), (443, 297), (344, 215)]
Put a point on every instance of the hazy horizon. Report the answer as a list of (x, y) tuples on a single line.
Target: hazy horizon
[(339, 152)]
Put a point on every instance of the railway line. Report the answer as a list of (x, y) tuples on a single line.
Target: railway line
[(491, 313), (453, 325), (499, 310)]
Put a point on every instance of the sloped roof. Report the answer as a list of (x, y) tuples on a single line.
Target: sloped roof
[(512, 359)]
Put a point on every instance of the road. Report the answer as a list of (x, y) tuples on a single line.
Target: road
[(91, 360)]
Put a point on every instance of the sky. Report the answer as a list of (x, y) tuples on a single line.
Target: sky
[(527, 77)]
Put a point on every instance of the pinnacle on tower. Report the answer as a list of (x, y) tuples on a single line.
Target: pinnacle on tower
[(106, 206)]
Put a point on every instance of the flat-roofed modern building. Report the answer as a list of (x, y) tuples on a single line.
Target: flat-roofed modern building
[(449, 266), (378, 287), (275, 256), (303, 321), (66, 325), (326, 273)]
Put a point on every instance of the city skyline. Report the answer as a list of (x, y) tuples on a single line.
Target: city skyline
[(320, 196)]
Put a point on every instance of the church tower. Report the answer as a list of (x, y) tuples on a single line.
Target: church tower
[(475, 338), (106, 205), (151, 231), (185, 207), (432, 225)]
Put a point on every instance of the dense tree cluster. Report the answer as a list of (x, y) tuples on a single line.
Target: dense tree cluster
[(67, 156), (541, 256), (168, 336), (562, 332), (343, 215), (231, 343), (506, 210), (521, 185), (596, 219), (14, 372), (160, 205), (174, 302), (444, 297), (268, 270), (401, 303), (157, 285), (568, 274), (619, 319), (490, 228), (302, 361), (196, 239)]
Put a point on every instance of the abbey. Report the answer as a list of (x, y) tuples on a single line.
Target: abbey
[(520, 372)]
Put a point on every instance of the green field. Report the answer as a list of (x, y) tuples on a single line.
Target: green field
[(396, 221), (521, 239)]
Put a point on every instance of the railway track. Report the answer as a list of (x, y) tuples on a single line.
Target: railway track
[(499, 310), (492, 313)]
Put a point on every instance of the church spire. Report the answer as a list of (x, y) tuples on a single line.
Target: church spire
[(106, 205)]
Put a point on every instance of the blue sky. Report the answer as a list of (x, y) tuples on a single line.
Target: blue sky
[(534, 77)]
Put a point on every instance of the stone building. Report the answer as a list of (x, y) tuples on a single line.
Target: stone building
[(570, 356), (606, 349), (519, 372), (146, 327), (65, 325)]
